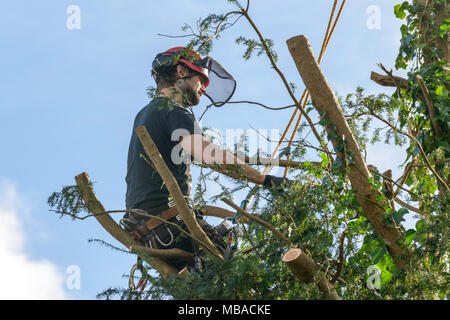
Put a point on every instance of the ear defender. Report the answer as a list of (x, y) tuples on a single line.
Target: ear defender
[(180, 83)]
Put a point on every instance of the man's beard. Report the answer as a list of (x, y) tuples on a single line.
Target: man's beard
[(190, 97)]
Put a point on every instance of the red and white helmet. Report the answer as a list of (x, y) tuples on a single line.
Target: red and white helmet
[(219, 84)]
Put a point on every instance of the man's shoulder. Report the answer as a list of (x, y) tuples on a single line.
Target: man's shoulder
[(164, 105)]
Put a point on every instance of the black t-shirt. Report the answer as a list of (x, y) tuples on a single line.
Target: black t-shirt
[(166, 122)]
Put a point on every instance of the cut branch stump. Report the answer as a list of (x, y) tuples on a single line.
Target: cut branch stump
[(304, 268)]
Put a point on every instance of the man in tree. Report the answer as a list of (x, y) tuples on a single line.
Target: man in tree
[(182, 77)]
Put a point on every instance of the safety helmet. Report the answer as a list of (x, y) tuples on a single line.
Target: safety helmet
[(219, 84)]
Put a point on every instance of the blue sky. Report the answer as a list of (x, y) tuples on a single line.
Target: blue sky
[(68, 99)]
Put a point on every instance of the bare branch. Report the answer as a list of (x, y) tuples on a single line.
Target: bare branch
[(174, 253), (419, 145), (341, 258), (387, 81), (96, 208), (172, 186), (426, 94), (409, 207)]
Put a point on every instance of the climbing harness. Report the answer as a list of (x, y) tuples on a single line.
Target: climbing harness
[(156, 234)]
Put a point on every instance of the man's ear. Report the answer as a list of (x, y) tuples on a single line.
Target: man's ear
[(181, 71)]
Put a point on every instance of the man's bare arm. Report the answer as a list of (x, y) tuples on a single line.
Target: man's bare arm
[(223, 161)]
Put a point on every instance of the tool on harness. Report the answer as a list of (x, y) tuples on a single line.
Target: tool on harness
[(242, 206), (139, 288), (225, 230), (219, 83)]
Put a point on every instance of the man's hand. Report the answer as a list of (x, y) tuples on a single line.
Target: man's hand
[(276, 182)]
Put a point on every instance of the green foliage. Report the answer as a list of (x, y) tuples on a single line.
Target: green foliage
[(68, 201), (254, 45), (320, 212)]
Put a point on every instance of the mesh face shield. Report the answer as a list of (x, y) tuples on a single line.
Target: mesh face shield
[(221, 84)]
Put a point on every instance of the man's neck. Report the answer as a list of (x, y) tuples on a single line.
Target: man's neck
[(173, 93)]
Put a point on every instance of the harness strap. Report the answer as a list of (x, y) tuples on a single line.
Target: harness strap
[(152, 223)]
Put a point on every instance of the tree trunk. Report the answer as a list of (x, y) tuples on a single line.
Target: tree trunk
[(326, 103)]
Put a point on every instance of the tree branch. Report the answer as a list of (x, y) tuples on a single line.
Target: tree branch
[(96, 208), (426, 95), (341, 258), (389, 81), (174, 253), (419, 145), (409, 207), (174, 190)]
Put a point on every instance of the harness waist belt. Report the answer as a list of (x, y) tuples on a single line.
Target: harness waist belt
[(153, 223)]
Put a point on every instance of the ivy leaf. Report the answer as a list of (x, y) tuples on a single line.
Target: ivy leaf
[(419, 225), (440, 91), (398, 215), (410, 235), (399, 10), (325, 159), (377, 254)]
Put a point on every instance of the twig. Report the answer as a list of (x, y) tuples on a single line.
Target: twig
[(222, 103), (409, 207), (394, 182), (426, 94), (441, 161), (219, 24), (405, 175), (258, 220), (422, 152), (253, 102)]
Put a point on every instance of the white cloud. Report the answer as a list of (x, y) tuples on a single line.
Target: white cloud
[(21, 277)]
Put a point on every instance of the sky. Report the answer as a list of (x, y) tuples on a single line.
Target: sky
[(73, 75)]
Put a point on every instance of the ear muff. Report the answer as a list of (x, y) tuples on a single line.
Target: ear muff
[(180, 83)]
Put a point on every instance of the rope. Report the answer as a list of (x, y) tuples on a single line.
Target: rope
[(325, 43)]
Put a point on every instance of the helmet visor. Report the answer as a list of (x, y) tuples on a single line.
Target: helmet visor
[(221, 84)]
